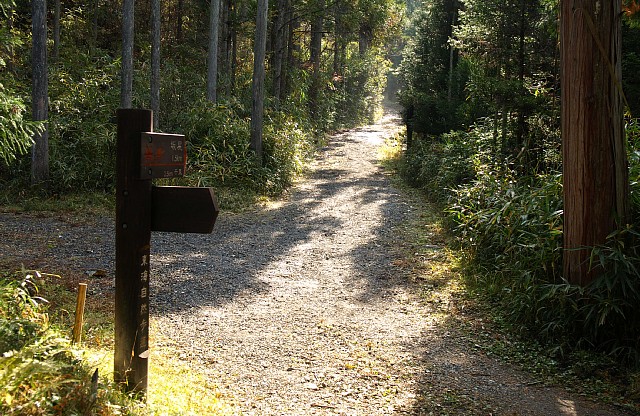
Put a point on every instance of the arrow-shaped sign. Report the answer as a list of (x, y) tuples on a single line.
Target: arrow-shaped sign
[(182, 209)]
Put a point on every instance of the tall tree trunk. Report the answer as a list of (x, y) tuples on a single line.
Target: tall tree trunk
[(94, 26), (224, 55), (212, 61), (315, 49), (40, 92), (292, 47), (56, 31), (179, 20), (595, 173), (257, 111), (126, 86), (279, 49), (155, 62)]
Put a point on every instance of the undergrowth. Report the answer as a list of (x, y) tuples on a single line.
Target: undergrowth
[(507, 231), (42, 373)]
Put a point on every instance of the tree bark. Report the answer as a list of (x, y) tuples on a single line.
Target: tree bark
[(40, 92), (257, 111), (212, 64), (179, 20), (315, 50), (155, 62), (126, 80), (279, 50), (595, 173), (56, 31), (224, 54)]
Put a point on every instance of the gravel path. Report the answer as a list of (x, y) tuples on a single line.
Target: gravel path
[(297, 308)]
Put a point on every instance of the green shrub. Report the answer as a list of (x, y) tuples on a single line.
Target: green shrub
[(37, 366), (40, 372), (287, 148), (219, 154), (602, 316), (82, 129), (511, 225), (356, 97), (441, 164), (16, 131)]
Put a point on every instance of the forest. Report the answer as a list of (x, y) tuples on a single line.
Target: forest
[(325, 64), (485, 89)]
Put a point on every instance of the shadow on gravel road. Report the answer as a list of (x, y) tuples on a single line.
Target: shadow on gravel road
[(210, 270)]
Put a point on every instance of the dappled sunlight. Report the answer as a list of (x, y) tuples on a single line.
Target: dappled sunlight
[(567, 407)]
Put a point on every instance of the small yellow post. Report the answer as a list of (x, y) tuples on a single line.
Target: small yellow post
[(77, 328)]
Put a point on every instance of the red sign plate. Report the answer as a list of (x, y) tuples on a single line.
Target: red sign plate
[(162, 155)]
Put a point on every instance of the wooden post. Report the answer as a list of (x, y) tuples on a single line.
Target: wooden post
[(133, 237), (77, 327), (140, 158)]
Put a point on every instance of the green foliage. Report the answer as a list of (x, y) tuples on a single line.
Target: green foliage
[(85, 94), (36, 363), (287, 148), (510, 227), (440, 164), (356, 98), (631, 64), (602, 316), (219, 153), (40, 372), (513, 231), (20, 314), (15, 131), (433, 89), (633, 140)]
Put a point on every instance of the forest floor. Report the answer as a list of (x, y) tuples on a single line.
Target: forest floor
[(316, 304)]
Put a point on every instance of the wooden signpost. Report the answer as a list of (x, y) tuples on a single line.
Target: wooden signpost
[(141, 208)]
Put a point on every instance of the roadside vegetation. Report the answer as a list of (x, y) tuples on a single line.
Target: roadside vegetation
[(43, 373), (475, 302), (482, 104)]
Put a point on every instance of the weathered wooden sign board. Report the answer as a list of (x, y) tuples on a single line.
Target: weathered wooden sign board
[(141, 208), (162, 155)]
